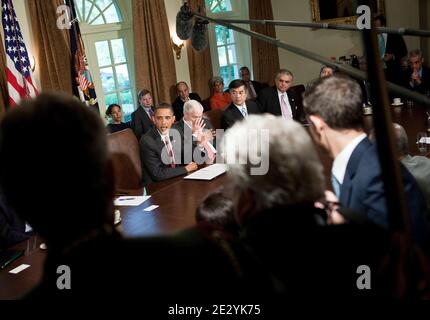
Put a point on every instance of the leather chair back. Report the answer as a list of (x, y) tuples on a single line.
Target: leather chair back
[(124, 150)]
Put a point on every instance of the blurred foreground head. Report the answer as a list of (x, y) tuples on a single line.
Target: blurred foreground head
[(54, 167), (272, 163)]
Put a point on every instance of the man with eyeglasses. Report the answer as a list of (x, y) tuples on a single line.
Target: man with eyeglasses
[(280, 100), (240, 107)]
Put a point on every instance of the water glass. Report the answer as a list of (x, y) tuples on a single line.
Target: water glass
[(421, 142)]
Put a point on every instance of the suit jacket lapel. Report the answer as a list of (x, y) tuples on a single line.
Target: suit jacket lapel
[(276, 104), (351, 169), (157, 138), (146, 119), (292, 101), (235, 112)]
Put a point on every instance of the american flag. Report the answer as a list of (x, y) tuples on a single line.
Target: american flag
[(84, 88), (18, 71)]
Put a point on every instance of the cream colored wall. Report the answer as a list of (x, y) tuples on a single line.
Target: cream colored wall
[(426, 25), (402, 13), (330, 43), (181, 65)]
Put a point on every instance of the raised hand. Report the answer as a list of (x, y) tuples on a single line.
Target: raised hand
[(416, 77), (198, 126)]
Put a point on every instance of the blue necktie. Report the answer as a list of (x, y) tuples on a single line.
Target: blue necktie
[(244, 113), (381, 43), (336, 185)]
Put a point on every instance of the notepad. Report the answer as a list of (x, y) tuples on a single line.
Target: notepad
[(153, 207), (208, 173), (19, 269), (425, 140), (130, 200)]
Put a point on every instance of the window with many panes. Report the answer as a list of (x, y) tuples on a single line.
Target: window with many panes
[(108, 41), (95, 12), (230, 50)]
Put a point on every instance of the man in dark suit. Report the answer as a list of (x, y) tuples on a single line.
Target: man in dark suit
[(240, 108), (276, 213), (418, 76), (160, 149), (184, 95), (12, 228), (334, 109), (196, 134), (142, 117), (65, 192), (392, 48), (254, 87), (278, 100)]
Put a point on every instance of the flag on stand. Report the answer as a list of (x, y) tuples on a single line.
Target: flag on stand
[(81, 76), (20, 82)]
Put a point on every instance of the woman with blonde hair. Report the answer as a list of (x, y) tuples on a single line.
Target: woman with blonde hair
[(219, 98)]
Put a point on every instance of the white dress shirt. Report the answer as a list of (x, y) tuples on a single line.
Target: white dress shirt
[(341, 161)]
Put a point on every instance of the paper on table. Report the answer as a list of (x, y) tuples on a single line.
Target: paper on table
[(209, 172), (19, 268), (131, 200), (425, 140), (151, 208)]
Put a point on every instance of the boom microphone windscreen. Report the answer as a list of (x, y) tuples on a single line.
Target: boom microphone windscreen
[(184, 22), (199, 39)]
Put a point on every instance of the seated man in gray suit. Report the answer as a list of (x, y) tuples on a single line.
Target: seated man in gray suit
[(196, 134), (240, 107), (160, 149)]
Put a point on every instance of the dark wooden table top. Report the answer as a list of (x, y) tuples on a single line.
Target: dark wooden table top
[(177, 199), (414, 119)]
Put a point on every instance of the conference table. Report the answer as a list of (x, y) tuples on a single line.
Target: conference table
[(414, 119), (178, 199)]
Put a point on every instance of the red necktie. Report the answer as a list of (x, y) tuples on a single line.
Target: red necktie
[(170, 152)]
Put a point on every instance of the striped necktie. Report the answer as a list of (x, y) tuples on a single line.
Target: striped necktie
[(243, 111), (170, 151), (284, 108)]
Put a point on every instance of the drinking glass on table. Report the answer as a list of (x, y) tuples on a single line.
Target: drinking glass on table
[(421, 142), (428, 121)]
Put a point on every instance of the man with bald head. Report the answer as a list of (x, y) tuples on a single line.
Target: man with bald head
[(184, 94)]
